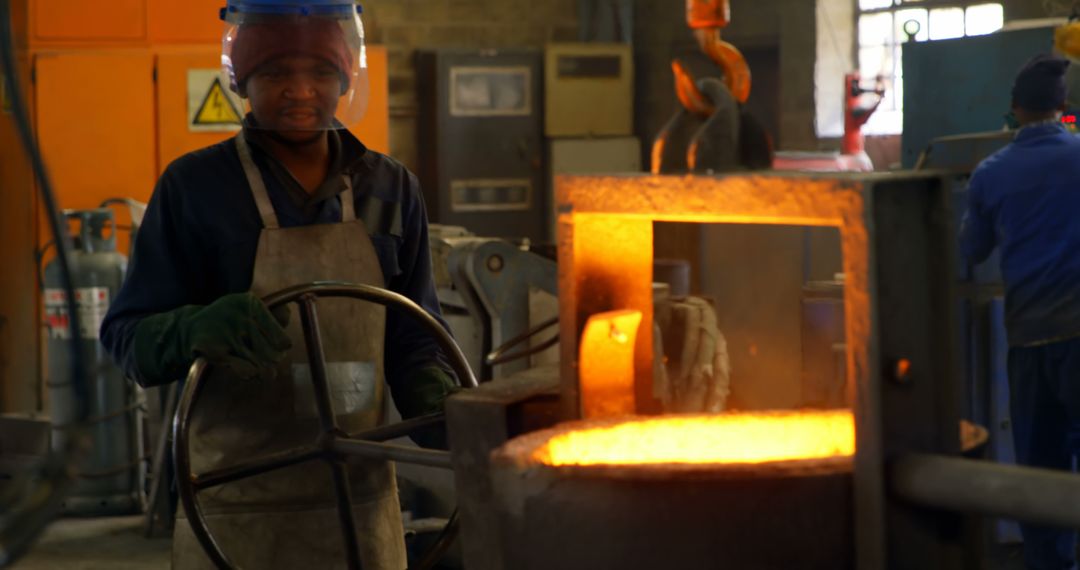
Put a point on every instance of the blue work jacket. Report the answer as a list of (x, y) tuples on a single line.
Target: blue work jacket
[(1025, 200), (199, 237)]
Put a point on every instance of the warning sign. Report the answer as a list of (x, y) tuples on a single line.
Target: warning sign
[(92, 304), (216, 108), (211, 106)]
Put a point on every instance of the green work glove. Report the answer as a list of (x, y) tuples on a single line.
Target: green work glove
[(236, 332), (425, 392)]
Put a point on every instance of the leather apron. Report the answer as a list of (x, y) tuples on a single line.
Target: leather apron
[(288, 518)]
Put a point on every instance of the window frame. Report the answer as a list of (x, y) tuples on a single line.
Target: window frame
[(908, 4), (890, 127)]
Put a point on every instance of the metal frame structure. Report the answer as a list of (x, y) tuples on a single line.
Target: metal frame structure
[(600, 214), (922, 4), (333, 446), (494, 279), (912, 490)]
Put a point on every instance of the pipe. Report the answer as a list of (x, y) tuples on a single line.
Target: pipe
[(1037, 496), (374, 450)]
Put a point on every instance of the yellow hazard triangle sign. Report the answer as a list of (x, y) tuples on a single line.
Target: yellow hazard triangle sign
[(216, 108)]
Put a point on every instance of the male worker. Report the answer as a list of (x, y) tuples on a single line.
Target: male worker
[(293, 198), (1025, 199)]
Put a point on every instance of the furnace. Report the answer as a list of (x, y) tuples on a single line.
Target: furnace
[(530, 501), (708, 488)]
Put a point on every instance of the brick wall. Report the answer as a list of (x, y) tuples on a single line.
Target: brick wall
[(798, 56), (404, 26)]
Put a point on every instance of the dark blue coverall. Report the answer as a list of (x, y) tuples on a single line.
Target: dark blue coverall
[(1025, 200)]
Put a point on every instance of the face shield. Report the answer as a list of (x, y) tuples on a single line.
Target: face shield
[(297, 65)]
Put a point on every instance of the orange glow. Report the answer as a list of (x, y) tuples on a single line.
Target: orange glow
[(606, 247), (607, 363), (615, 268), (903, 368), (698, 439)]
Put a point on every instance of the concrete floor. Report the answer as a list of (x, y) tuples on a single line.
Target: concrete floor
[(114, 543), (117, 543)]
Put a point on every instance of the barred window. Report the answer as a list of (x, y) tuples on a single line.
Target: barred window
[(885, 24)]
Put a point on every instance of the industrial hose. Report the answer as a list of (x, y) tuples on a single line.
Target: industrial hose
[(33, 500)]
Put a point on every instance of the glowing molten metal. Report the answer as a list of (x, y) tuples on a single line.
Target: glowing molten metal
[(728, 438)]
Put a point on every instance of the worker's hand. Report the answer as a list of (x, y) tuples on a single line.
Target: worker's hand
[(237, 332), (425, 392)]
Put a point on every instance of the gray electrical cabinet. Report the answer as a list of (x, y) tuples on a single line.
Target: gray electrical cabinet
[(481, 141)]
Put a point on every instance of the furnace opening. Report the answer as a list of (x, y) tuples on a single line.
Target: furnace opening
[(772, 295)]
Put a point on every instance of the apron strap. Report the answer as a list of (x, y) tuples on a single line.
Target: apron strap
[(381, 216), (255, 182), (348, 210)]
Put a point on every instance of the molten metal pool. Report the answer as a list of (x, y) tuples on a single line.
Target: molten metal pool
[(766, 490), (712, 439)]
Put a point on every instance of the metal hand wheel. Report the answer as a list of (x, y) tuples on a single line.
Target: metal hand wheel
[(332, 446)]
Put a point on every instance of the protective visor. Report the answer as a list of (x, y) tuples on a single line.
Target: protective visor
[(297, 66)]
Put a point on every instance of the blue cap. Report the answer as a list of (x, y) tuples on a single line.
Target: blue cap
[(1040, 84), (298, 7)]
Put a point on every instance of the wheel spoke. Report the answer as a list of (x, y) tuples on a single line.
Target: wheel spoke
[(253, 467), (309, 319), (348, 449), (345, 514)]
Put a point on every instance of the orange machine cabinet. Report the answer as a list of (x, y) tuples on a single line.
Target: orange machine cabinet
[(59, 23), (185, 21), (374, 128), (19, 342), (114, 23), (95, 125)]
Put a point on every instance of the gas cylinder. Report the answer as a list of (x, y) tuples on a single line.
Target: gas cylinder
[(108, 477)]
